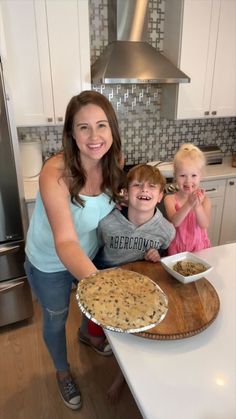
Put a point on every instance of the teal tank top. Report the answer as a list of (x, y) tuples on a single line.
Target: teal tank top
[(40, 248)]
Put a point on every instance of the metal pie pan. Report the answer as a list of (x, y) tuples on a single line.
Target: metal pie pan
[(119, 329)]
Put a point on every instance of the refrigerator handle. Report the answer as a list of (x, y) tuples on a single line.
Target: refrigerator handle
[(4, 250)]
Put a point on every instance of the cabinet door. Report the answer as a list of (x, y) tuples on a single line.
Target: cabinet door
[(228, 227), (186, 45), (209, 58), (68, 39), (223, 97), (207, 53), (215, 190), (29, 82), (215, 223), (48, 56), (194, 55)]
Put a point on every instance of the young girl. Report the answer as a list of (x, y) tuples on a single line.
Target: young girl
[(189, 209)]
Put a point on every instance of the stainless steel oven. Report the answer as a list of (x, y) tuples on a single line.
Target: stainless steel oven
[(15, 294)]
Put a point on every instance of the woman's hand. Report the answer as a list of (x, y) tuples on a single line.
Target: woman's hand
[(152, 255)]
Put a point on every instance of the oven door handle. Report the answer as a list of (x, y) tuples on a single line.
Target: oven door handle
[(4, 287), (6, 249)]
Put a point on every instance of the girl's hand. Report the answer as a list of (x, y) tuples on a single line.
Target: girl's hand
[(193, 199), (200, 195), (152, 255)]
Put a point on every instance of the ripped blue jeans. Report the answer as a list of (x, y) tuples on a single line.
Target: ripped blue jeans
[(53, 293)]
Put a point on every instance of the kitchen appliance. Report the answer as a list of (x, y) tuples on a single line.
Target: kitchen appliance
[(166, 168), (213, 154), (129, 58), (15, 294), (31, 157)]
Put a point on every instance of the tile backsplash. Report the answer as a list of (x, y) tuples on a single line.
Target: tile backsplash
[(145, 134)]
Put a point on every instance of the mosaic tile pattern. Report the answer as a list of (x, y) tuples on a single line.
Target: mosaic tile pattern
[(145, 135), (50, 136), (98, 28)]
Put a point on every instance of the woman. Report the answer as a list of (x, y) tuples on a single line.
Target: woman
[(78, 187)]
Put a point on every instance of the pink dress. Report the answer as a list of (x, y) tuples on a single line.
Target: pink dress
[(189, 236)]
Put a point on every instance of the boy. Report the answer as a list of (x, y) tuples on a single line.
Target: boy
[(138, 231)]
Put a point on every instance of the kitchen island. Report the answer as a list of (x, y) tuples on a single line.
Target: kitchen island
[(191, 378)]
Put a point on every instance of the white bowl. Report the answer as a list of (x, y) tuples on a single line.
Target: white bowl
[(169, 261)]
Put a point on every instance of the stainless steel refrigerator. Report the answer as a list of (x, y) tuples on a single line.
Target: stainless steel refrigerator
[(15, 294)]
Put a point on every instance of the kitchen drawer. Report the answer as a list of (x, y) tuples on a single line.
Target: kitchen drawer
[(214, 188), (12, 257), (228, 226), (15, 301)]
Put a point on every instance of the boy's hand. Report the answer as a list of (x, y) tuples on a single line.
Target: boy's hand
[(152, 255)]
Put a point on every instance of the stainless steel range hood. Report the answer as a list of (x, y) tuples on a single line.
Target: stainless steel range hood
[(129, 58)]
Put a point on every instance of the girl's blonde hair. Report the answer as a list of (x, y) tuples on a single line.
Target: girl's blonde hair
[(189, 151)]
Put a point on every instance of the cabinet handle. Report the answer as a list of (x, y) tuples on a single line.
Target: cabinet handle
[(60, 119), (4, 250), (211, 190), (50, 119), (4, 287), (214, 113), (231, 182), (206, 113)]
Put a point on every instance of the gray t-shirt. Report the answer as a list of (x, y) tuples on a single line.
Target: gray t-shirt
[(121, 241)]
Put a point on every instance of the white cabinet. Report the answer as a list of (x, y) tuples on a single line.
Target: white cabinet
[(46, 56), (215, 190), (200, 37), (228, 226)]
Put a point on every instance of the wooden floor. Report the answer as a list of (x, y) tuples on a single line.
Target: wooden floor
[(28, 388)]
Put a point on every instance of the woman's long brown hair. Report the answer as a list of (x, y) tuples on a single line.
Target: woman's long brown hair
[(111, 170)]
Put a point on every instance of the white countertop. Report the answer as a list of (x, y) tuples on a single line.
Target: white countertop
[(192, 378), (215, 171), (220, 171)]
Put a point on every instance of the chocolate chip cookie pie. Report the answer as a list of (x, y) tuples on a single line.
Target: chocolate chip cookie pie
[(122, 300)]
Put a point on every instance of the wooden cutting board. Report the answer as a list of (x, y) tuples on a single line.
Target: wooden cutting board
[(191, 307)]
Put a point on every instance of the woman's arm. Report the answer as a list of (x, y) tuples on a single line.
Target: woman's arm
[(56, 197)]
